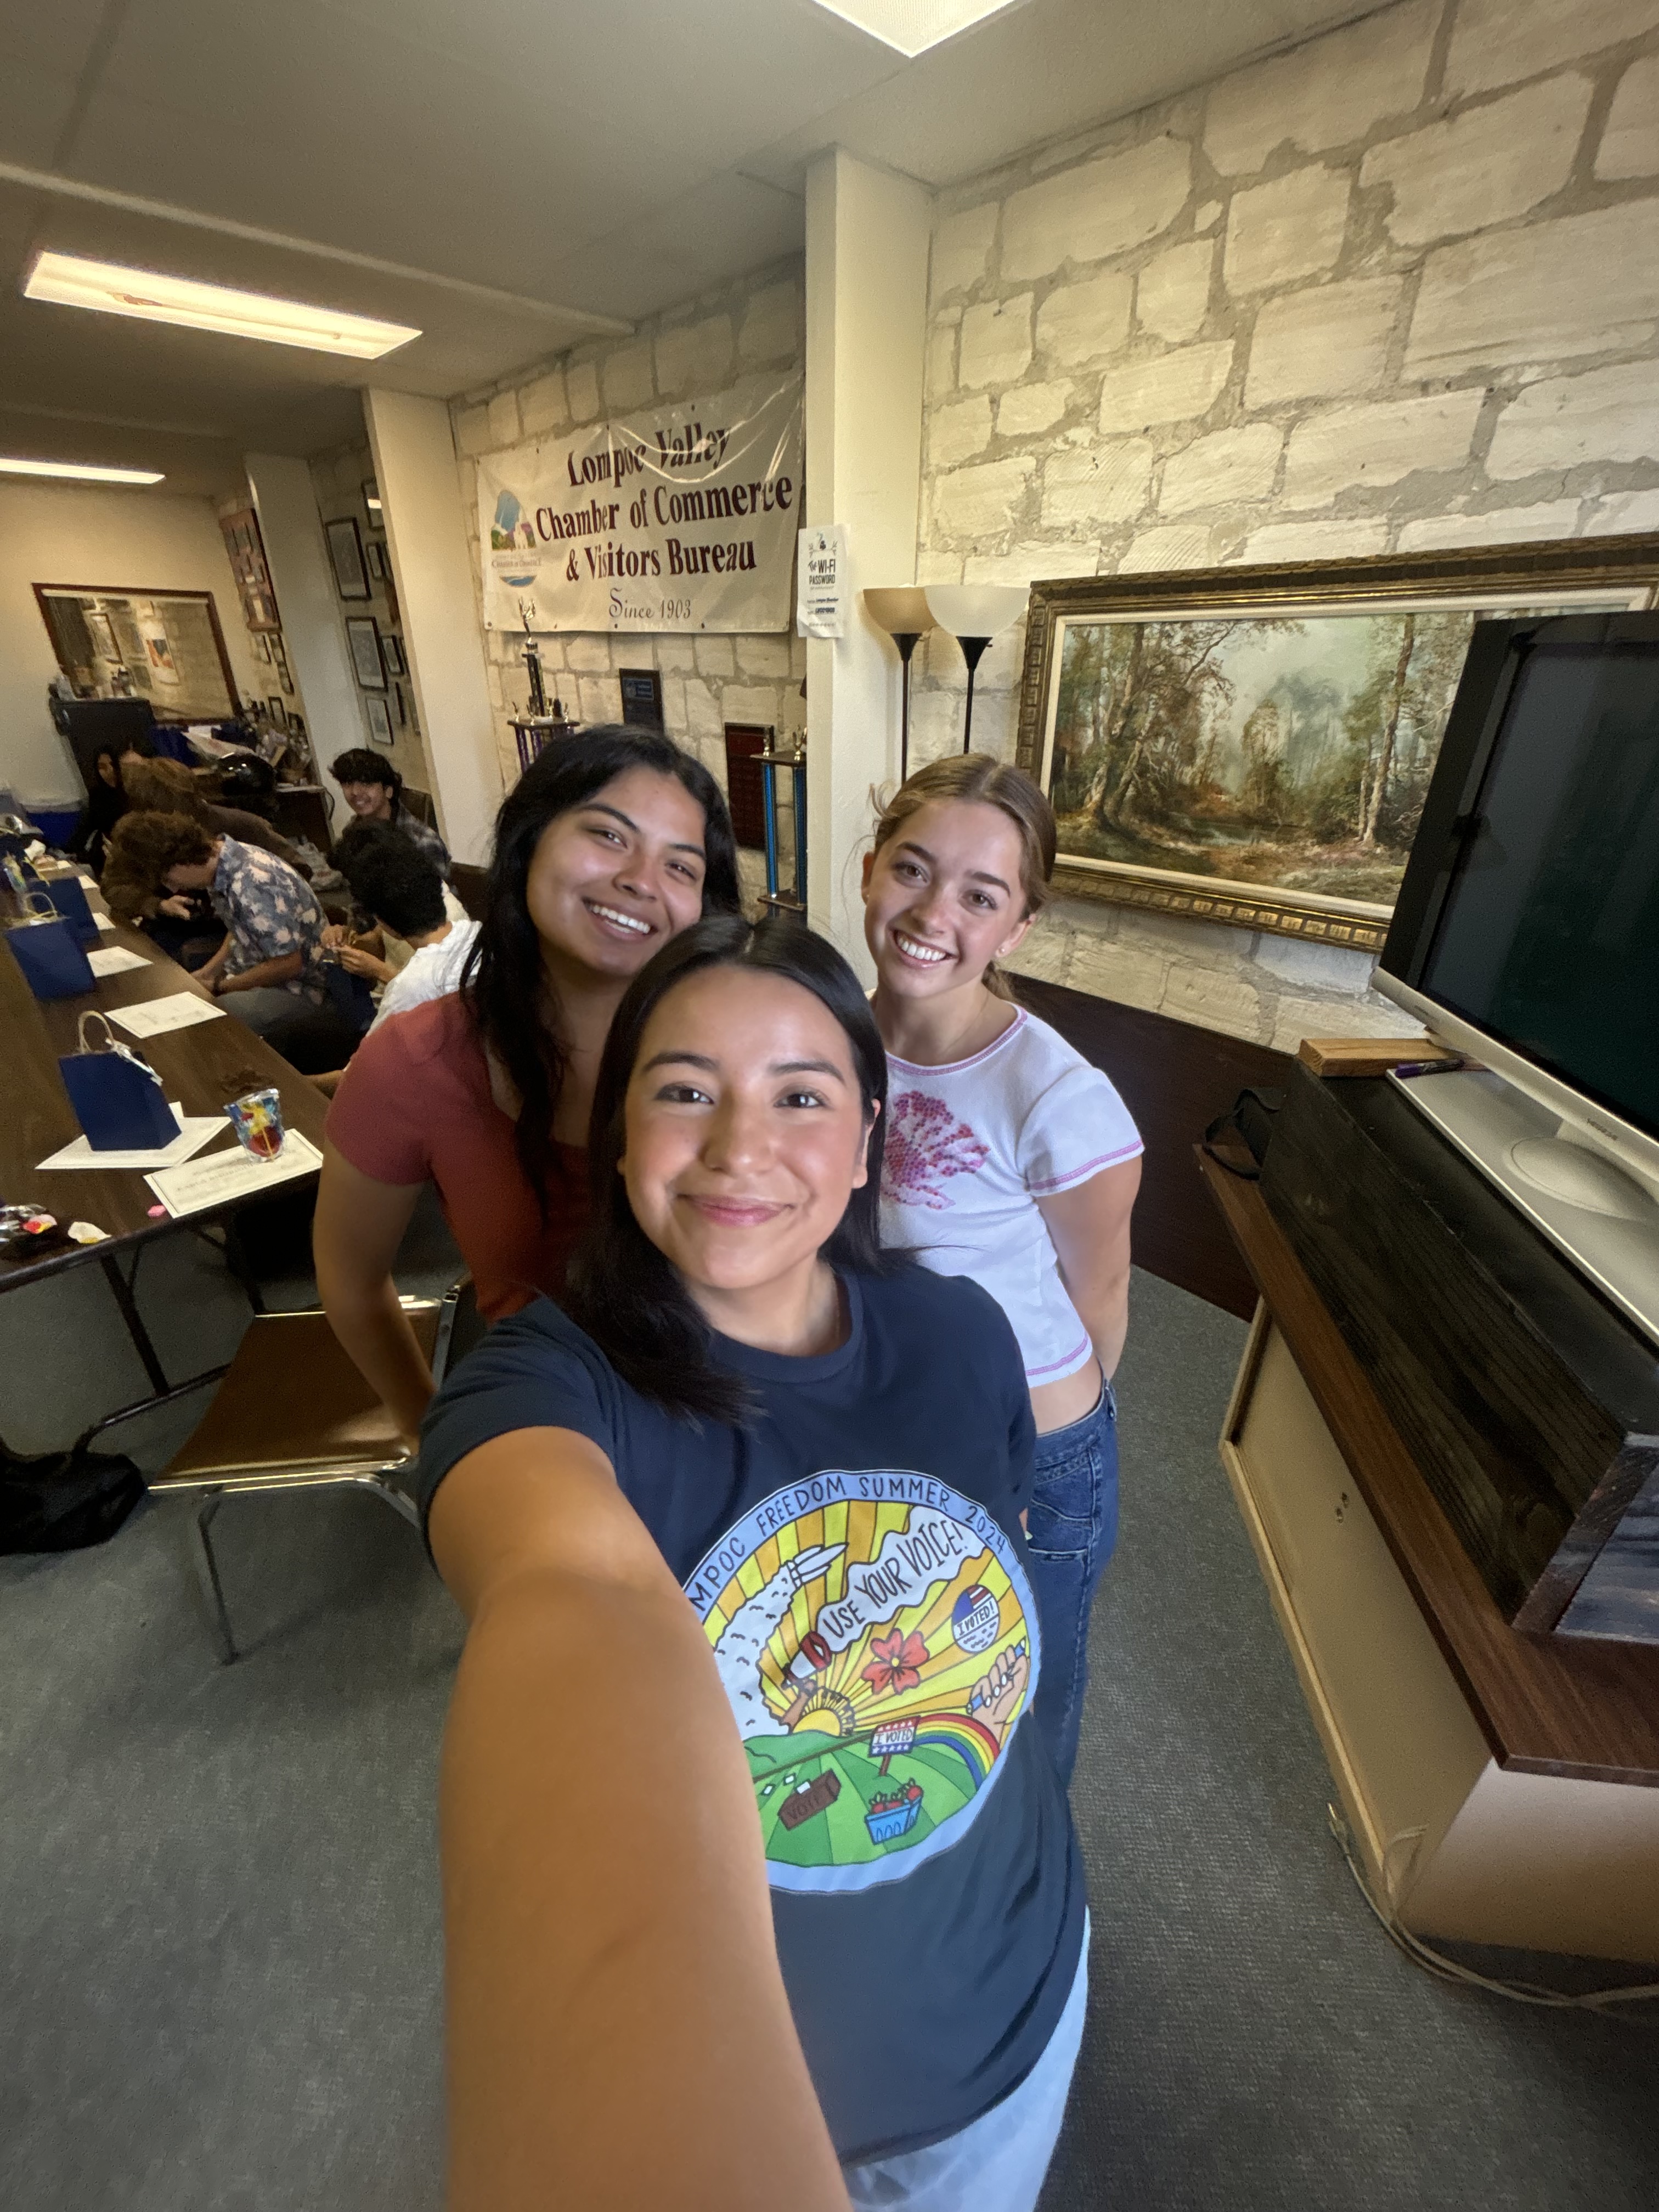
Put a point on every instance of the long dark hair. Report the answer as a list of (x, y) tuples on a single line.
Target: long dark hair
[(504, 987), (627, 1295)]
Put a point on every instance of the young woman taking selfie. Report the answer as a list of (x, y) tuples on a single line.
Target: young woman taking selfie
[(609, 845), (745, 1403), (1009, 1159)]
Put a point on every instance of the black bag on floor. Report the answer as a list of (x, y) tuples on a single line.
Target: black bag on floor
[(63, 1501)]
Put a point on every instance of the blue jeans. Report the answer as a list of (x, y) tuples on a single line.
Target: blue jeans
[(1072, 1527), (997, 2163)]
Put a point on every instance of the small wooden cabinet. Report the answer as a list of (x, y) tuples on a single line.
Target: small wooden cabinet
[(1502, 1787)]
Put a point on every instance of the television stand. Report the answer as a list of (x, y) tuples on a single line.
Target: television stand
[(1603, 1219), (1501, 1788)]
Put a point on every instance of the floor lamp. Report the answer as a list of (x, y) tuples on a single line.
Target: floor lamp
[(974, 613), (902, 613)]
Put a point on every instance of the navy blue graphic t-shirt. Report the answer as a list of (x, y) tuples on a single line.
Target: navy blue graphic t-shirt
[(854, 1554)]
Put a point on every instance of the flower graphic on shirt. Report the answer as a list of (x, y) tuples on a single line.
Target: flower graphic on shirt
[(895, 1662), (926, 1145)]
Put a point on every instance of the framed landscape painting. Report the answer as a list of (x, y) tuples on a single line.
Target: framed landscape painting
[(1253, 746)]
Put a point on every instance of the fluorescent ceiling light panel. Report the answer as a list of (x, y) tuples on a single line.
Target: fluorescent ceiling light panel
[(68, 282), (81, 470), (910, 26)]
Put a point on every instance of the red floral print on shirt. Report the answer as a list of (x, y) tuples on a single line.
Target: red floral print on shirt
[(926, 1145), (897, 1662)]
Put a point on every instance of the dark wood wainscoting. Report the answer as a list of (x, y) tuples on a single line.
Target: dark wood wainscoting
[(1175, 1079)]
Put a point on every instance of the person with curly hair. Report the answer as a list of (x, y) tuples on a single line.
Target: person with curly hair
[(267, 962)]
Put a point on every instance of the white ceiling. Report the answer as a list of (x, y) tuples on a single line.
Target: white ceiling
[(507, 174)]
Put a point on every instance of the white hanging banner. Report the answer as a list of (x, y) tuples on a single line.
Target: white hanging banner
[(680, 518)]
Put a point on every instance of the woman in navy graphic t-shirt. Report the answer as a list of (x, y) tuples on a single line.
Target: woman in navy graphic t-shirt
[(747, 1405)]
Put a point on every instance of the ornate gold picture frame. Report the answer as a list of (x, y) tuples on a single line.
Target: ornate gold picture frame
[(1252, 745)]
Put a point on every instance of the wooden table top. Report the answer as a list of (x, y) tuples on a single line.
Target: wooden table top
[(204, 1068), (1546, 1704)]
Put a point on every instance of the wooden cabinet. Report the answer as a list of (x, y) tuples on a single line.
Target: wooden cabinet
[(1501, 1787)]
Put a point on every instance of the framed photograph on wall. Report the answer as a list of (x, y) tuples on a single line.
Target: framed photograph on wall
[(363, 635), (392, 651), (374, 554), (1253, 746), (345, 551), (397, 700), (379, 720)]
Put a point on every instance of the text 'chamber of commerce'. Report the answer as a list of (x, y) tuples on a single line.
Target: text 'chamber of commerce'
[(681, 518)]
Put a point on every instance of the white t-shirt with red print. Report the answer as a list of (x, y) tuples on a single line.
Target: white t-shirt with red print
[(971, 1146)]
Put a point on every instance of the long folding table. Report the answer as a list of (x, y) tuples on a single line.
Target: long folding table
[(204, 1068)]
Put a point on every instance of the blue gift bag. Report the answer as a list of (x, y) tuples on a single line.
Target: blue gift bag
[(118, 1097), (352, 997), (53, 964), (69, 895)]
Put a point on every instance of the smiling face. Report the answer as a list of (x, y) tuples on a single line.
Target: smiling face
[(943, 897), (369, 802), (745, 1132), (616, 876)]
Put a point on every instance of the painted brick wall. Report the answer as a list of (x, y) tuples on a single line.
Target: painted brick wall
[(699, 347), (1398, 289)]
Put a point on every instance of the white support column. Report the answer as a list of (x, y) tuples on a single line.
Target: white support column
[(420, 491), (314, 623), (867, 235)]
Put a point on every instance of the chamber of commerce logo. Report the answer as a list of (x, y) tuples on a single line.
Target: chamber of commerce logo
[(512, 534), (877, 1638)]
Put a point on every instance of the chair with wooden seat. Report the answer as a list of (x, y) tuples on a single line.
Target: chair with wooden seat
[(293, 1414)]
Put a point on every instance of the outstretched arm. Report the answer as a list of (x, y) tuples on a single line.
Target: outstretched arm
[(619, 2035)]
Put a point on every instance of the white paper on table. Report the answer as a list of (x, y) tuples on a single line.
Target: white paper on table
[(182, 1011), (114, 959), (196, 1133), (233, 1174)]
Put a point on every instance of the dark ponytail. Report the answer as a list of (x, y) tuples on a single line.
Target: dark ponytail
[(628, 1297), (504, 986)]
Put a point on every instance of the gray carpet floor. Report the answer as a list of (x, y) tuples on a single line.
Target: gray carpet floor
[(218, 1893)]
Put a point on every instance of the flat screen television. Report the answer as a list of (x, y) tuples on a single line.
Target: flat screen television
[(1527, 932)]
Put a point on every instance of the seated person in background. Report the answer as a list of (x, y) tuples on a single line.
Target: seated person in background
[(267, 963), (183, 924), (395, 883), (167, 787), (106, 802), (373, 789)]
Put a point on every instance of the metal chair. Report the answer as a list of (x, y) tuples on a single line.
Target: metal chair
[(293, 1414)]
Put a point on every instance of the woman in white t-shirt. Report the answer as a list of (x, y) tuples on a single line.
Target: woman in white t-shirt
[(1008, 1156)]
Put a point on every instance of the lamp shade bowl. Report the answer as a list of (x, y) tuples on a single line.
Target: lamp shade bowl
[(901, 612), (976, 610)]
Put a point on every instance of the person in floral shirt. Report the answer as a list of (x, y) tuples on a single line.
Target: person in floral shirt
[(268, 964)]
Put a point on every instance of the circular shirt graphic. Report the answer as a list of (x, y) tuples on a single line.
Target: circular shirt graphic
[(877, 1638)]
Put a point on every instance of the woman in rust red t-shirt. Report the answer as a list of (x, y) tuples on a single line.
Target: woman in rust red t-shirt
[(611, 843)]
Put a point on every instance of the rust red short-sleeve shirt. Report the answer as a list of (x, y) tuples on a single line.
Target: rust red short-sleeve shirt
[(415, 1107)]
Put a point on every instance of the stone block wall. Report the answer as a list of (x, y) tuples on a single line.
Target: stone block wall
[(1397, 288), (700, 347)]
